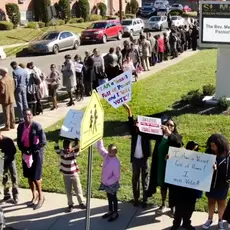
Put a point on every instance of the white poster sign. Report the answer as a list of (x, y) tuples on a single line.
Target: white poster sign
[(117, 91), (72, 124), (189, 169), (150, 125)]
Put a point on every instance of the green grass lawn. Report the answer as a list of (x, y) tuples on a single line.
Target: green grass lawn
[(150, 96), (23, 35)]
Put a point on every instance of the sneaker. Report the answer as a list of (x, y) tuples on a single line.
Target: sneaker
[(82, 206), (207, 224), (70, 208), (221, 225), (107, 215), (162, 209)]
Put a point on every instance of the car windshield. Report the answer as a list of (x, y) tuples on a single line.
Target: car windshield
[(175, 5), (50, 36), (126, 23), (97, 25), (147, 9), (174, 18), (155, 19)]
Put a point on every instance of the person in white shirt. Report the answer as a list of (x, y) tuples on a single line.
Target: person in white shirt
[(140, 152)]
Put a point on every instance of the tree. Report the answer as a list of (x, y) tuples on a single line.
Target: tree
[(41, 10), (13, 13), (82, 9), (102, 7), (134, 6), (127, 8), (64, 10)]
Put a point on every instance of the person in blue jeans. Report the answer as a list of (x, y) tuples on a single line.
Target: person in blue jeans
[(21, 77)]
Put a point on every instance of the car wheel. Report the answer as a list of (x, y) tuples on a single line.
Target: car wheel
[(55, 49), (119, 36), (76, 44), (131, 33), (104, 39)]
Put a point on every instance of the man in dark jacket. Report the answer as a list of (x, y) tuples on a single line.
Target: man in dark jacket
[(7, 147), (140, 152)]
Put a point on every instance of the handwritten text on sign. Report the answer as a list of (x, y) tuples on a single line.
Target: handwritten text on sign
[(117, 91), (189, 169), (150, 125), (72, 124)]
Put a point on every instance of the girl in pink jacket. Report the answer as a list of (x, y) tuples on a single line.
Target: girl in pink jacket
[(110, 177)]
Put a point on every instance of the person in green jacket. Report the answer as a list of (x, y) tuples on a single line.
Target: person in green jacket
[(170, 138)]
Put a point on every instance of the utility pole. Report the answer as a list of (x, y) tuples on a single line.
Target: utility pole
[(120, 10)]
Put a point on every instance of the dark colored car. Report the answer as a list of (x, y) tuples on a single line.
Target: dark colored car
[(102, 31)]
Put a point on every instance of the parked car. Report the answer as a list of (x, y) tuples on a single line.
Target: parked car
[(102, 31), (55, 41), (177, 21), (147, 11), (160, 4), (187, 9), (156, 23), (163, 11), (148, 4), (176, 6), (2, 54), (132, 26)]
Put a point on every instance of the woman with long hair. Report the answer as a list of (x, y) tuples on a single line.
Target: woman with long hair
[(218, 145)]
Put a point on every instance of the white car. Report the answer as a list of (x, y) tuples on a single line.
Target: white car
[(2, 54), (156, 23), (132, 26), (177, 21), (176, 6), (160, 4)]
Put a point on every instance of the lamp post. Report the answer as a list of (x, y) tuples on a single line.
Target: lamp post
[(120, 10)]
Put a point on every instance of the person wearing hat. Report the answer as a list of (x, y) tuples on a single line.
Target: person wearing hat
[(69, 77), (7, 99)]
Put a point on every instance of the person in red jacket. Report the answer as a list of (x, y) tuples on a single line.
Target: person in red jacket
[(161, 47)]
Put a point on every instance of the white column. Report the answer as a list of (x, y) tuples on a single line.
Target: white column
[(223, 73)]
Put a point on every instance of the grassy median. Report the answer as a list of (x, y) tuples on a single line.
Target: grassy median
[(150, 96)]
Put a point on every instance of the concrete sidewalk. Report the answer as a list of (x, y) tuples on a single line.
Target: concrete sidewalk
[(49, 118), (53, 216)]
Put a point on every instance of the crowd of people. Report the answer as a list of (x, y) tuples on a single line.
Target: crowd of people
[(31, 84)]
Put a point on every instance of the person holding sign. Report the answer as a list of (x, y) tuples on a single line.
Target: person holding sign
[(218, 145), (110, 177), (171, 137), (140, 152), (185, 200)]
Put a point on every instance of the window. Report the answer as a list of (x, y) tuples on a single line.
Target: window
[(68, 34), (62, 36)]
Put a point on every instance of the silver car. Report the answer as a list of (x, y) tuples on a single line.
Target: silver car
[(156, 23), (55, 41)]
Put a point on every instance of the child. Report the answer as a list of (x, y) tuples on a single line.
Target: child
[(70, 171), (185, 204), (110, 177)]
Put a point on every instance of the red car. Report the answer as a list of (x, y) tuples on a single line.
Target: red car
[(102, 31), (187, 9)]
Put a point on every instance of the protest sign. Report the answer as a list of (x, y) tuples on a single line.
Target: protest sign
[(117, 91), (150, 125), (72, 124), (189, 169)]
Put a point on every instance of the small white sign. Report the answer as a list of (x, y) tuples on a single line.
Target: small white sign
[(216, 30), (150, 125), (78, 67), (117, 91), (189, 169), (72, 124)]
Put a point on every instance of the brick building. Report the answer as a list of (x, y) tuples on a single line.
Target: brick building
[(26, 6)]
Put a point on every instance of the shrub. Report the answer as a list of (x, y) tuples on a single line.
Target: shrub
[(13, 13), (6, 25), (130, 16), (64, 10), (103, 8), (134, 6), (193, 98), (118, 13), (32, 25), (110, 17), (76, 20), (40, 10), (82, 9), (223, 104), (208, 90), (127, 8), (94, 17), (41, 24), (60, 22)]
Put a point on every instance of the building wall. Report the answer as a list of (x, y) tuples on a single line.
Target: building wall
[(27, 6)]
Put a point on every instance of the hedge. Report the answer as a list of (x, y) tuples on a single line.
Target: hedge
[(76, 20), (4, 25), (32, 25), (94, 17)]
